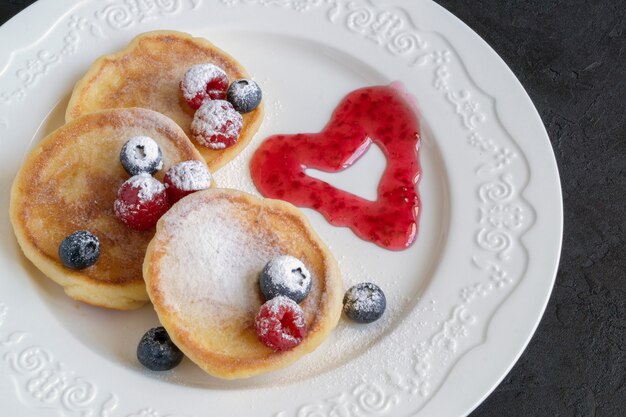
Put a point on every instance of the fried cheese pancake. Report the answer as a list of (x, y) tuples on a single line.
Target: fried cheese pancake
[(69, 182), (202, 275), (147, 74)]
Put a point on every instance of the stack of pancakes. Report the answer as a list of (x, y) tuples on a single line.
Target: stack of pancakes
[(70, 180)]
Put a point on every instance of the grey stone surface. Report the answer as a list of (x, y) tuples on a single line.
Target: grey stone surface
[(569, 55)]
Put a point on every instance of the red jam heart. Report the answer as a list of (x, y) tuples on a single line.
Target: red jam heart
[(384, 115)]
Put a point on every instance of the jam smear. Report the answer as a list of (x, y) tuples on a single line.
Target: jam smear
[(384, 115)]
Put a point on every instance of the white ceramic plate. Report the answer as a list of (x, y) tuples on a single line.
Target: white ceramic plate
[(463, 301)]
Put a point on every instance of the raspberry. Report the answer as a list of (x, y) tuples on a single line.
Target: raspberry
[(216, 124), (203, 82), (185, 178), (141, 201), (280, 324)]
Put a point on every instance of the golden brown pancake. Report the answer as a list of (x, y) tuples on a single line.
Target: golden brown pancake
[(147, 74), (201, 271), (70, 181)]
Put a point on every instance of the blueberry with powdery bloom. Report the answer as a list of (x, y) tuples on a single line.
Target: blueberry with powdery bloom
[(364, 302), (286, 276), (79, 250), (157, 352), (141, 155), (244, 95)]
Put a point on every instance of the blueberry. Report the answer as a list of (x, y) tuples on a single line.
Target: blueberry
[(141, 155), (244, 95), (157, 352), (364, 302), (287, 276), (79, 250)]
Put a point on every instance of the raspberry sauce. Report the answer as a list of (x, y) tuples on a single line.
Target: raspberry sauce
[(384, 115)]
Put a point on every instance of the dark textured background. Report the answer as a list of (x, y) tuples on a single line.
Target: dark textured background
[(569, 55)]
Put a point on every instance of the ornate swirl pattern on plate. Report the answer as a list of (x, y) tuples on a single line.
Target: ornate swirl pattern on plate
[(45, 383), (297, 5), (42, 382), (150, 412), (370, 399), (40, 64), (498, 279), (385, 28), (122, 15), (37, 67)]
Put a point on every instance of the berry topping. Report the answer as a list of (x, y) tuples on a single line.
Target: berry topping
[(280, 324), (203, 82), (216, 124), (157, 352), (185, 178), (140, 155), (364, 302), (287, 276), (244, 95), (79, 250), (385, 116), (141, 201)]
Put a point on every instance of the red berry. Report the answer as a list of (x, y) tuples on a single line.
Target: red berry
[(280, 324), (203, 82), (141, 201), (216, 124), (185, 178)]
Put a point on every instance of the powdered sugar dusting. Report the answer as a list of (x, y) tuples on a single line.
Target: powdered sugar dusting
[(195, 80), (277, 303), (245, 88), (190, 176), (364, 298), (147, 185), (141, 200), (143, 151), (263, 326), (245, 95), (212, 266), (216, 124), (216, 145), (289, 272)]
